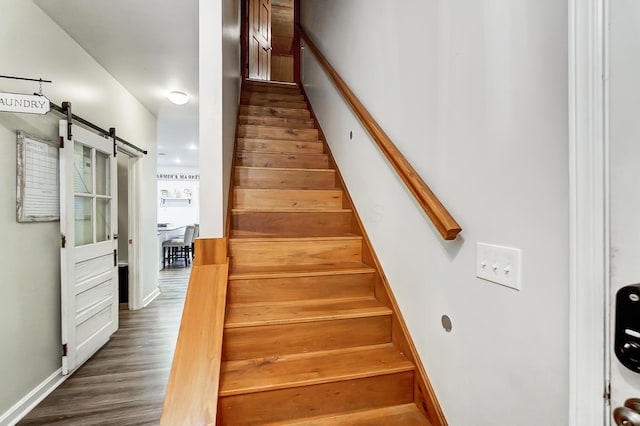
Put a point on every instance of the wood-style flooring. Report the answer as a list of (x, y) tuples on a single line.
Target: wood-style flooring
[(125, 382)]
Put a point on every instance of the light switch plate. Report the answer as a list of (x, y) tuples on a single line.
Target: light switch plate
[(499, 264)]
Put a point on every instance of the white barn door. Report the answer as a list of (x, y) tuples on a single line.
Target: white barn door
[(88, 226)]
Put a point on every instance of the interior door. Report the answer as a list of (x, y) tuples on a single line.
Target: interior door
[(88, 225), (624, 142), (260, 39)]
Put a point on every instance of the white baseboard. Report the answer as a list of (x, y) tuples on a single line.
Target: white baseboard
[(33, 398), (150, 298)]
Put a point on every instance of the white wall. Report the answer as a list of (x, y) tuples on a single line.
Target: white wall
[(625, 173), (475, 94), (231, 82), (31, 45), (182, 211), (179, 212), (219, 96)]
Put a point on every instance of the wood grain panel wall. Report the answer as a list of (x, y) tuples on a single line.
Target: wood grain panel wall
[(282, 31), (282, 26), (282, 68)]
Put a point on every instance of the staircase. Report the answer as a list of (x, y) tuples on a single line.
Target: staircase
[(311, 335)]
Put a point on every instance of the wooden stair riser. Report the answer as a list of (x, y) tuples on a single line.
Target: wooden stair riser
[(276, 122), (288, 97), (403, 414), (294, 252), (250, 198), (273, 178), (280, 146), (274, 103), (267, 159), (267, 341), (261, 314), (327, 398), (297, 271), (299, 224), (272, 290), (282, 133), (262, 111)]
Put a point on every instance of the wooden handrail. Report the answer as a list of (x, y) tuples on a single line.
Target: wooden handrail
[(441, 218), (192, 391)]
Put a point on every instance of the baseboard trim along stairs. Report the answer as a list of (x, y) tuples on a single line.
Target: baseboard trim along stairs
[(312, 334)]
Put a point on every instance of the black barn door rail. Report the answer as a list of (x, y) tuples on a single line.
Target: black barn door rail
[(65, 109)]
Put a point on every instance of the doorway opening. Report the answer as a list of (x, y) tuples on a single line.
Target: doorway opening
[(130, 283), (270, 50)]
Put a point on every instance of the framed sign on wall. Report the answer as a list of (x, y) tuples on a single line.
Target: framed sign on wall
[(37, 183)]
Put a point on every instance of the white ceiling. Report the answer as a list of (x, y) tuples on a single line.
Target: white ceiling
[(151, 48)]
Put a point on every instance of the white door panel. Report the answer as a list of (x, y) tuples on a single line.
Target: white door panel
[(88, 224)]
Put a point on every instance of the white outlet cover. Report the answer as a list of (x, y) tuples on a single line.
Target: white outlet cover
[(499, 264)]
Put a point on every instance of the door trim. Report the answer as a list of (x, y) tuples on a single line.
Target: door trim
[(589, 212), (244, 38), (136, 290)]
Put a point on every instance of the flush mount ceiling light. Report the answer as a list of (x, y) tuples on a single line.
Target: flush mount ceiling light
[(178, 98)]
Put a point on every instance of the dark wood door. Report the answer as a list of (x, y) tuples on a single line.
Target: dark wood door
[(260, 39)]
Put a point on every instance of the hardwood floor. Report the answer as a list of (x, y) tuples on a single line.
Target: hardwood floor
[(124, 383)]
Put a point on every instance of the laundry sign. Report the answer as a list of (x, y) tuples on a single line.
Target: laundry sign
[(29, 104)]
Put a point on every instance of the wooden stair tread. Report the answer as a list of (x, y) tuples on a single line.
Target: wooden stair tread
[(405, 415), (283, 210), (287, 169), (278, 128), (264, 139), (244, 234), (290, 191), (300, 239), (287, 371), (256, 314), (249, 82), (246, 182), (269, 139), (259, 152), (247, 272)]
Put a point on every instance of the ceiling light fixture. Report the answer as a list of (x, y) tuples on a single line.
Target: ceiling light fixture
[(178, 98)]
